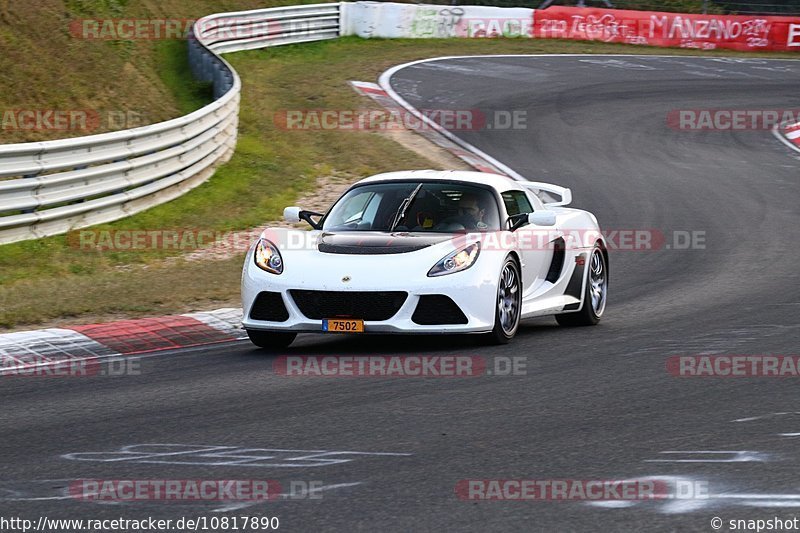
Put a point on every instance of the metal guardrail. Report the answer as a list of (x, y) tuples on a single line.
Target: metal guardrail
[(73, 183)]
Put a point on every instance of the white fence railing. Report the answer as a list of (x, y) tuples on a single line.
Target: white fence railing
[(57, 186)]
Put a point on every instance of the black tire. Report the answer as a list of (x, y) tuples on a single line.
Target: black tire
[(270, 340), (506, 327), (591, 313)]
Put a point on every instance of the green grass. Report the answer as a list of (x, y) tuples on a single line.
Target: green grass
[(46, 65), (48, 280), (97, 8)]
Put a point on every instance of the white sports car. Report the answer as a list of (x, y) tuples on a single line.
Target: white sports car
[(427, 252)]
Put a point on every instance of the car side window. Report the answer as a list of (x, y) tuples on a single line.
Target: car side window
[(516, 203)]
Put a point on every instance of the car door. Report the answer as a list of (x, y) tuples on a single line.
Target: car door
[(535, 244)]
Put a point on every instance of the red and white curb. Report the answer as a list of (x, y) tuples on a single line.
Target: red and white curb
[(44, 347), (792, 133), (789, 135)]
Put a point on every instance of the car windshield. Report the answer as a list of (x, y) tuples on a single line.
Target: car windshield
[(428, 206)]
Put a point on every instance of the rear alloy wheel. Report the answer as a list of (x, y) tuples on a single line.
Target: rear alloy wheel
[(595, 295), (270, 340), (509, 304)]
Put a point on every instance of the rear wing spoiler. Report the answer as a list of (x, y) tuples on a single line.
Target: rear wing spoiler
[(562, 192)]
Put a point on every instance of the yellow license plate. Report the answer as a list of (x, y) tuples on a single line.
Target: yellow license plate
[(341, 325)]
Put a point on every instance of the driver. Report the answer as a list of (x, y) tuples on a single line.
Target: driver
[(470, 207)]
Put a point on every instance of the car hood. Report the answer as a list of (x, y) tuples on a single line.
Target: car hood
[(377, 243)]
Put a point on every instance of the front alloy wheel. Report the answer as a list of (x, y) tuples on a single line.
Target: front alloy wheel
[(509, 304)]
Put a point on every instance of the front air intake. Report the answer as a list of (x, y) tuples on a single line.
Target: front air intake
[(438, 309), (269, 306)]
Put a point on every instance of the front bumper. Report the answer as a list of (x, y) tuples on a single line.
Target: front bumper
[(474, 291)]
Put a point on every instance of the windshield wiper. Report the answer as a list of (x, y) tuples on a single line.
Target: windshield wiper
[(404, 205)]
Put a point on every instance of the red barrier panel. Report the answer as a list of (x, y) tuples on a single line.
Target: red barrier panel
[(706, 32)]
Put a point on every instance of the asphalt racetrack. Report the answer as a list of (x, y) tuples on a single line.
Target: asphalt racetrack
[(594, 403)]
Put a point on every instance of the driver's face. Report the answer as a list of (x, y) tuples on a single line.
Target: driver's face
[(470, 207)]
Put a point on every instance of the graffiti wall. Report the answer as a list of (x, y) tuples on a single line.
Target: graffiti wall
[(705, 32), (389, 20)]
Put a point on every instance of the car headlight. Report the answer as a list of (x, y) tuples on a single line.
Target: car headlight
[(456, 261), (268, 257)]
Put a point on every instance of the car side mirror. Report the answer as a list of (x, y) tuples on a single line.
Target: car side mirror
[(291, 215), (542, 218), (294, 214)]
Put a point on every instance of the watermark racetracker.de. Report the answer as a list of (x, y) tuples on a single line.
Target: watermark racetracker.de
[(400, 119), (69, 120), (692, 120), (579, 489), (64, 367), (407, 366), (734, 366)]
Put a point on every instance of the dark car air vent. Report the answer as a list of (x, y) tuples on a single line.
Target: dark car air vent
[(438, 309)]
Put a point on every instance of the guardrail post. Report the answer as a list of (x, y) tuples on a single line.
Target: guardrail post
[(31, 210)]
